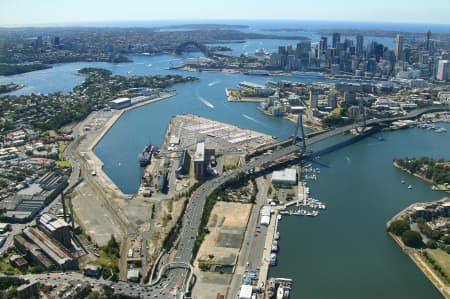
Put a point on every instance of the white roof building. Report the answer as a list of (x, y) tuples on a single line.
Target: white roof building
[(200, 152), (286, 176), (265, 220), (246, 292)]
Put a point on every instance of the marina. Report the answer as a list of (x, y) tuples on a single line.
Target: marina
[(334, 184)]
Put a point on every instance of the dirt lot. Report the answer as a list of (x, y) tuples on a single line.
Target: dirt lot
[(221, 246)]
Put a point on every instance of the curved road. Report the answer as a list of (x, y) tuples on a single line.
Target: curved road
[(174, 285)]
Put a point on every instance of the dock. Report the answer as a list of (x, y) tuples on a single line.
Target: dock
[(264, 270)]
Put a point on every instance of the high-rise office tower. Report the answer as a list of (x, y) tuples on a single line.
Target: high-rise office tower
[(323, 44), (336, 40), (399, 47), (428, 40), (322, 47), (443, 70), (359, 45)]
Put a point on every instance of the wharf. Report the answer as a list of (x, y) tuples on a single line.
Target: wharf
[(265, 263), (301, 196)]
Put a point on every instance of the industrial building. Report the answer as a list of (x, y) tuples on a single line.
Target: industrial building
[(266, 212), (23, 206), (29, 290), (55, 228), (18, 261), (4, 227), (184, 164), (199, 160), (287, 176), (120, 103), (92, 270), (33, 252), (133, 275), (44, 250)]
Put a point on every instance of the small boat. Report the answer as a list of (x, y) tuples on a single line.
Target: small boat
[(410, 187), (279, 217), (277, 236), (403, 181), (273, 259)]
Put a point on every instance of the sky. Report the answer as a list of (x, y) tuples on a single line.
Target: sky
[(47, 12)]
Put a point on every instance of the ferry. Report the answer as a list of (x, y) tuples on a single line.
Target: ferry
[(257, 73), (307, 74), (261, 52)]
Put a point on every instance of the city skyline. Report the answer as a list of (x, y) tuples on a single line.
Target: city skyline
[(50, 12)]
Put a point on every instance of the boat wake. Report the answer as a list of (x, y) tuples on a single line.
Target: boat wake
[(253, 119), (206, 102), (214, 83), (349, 161)]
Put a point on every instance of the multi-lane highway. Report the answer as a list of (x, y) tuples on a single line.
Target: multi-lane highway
[(194, 210), (175, 284)]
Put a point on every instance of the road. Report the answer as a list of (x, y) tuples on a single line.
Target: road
[(174, 286), (194, 210), (253, 243)]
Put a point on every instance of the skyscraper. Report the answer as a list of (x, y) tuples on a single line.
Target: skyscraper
[(359, 45), (336, 40), (399, 47), (322, 47), (428, 40), (443, 71)]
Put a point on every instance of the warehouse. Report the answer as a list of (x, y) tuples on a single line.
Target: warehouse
[(286, 176)]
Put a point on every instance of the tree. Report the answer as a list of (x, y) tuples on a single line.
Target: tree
[(94, 295), (412, 239), (398, 227), (432, 244)]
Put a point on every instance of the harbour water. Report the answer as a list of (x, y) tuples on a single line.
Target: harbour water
[(344, 253)]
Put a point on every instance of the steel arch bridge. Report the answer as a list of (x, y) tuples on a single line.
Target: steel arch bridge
[(186, 45)]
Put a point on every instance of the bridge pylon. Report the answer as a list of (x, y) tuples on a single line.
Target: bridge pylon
[(362, 111), (363, 116), (298, 126)]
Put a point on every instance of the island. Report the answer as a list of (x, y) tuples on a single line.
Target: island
[(5, 88)]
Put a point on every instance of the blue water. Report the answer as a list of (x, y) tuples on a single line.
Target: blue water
[(150, 123), (343, 253)]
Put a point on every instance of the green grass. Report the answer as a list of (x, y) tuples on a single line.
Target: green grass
[(6, 266), (442, 258), (63, 164)]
